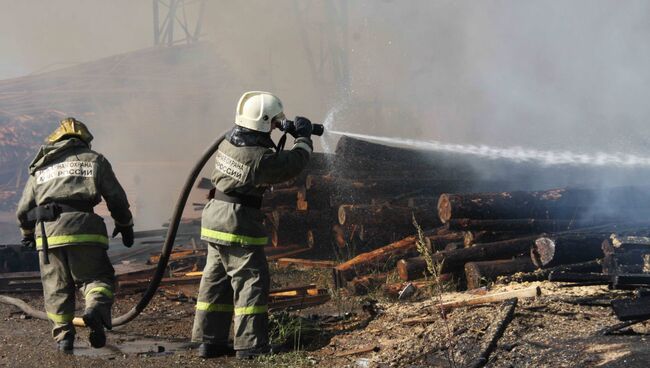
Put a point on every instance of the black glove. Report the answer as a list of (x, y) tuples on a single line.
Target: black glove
[(28, 242), (302, 127), (127, 234)]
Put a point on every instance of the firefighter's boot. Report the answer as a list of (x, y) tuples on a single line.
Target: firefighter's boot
[(66, 345), (97, 336)]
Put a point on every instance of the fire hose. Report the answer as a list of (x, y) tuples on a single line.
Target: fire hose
[(168, 245)]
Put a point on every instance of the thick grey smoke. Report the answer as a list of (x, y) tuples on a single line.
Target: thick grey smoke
[(553, 75)]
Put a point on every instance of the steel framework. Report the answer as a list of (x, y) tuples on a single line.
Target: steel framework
[(174, 14)]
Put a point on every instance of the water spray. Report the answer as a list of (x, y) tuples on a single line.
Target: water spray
[(517, 154)]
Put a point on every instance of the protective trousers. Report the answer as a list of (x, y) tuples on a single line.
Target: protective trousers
[(86, 267), (239, 273)]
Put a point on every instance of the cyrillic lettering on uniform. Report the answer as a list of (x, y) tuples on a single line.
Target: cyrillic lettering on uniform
[(84, 169), (231, 167)]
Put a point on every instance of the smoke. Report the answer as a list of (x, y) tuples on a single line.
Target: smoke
[(545, 76)]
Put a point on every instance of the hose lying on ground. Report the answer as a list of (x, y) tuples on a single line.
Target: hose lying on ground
[(166, 251)]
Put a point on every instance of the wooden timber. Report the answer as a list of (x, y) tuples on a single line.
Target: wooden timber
[(478, 274)]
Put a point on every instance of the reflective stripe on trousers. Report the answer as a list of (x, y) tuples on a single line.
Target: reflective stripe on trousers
[(234, 238), (211, 307), (101, 290), (256, 309), (60, 318), (76, 238)]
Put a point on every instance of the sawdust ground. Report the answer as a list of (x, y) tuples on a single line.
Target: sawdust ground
[(549, 331)]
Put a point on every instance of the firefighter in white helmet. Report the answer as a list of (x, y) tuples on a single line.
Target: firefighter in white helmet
[(236, 276)]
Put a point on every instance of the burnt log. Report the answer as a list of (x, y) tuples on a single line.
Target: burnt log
[(626, 254), (630, 280), (516, 225), (287, 237), (382, 234), (562, 204), (281, 197), (629, 262), (542, 274), (478, 274), (454, 261), (362, 285), (454, 246), (580, 278), (495, 331), (384, 214), (555, 251), (393, 290), (475, 237), (632, 309)]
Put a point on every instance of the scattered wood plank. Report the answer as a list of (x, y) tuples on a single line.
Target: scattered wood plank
[(305, 263), (530, 292)]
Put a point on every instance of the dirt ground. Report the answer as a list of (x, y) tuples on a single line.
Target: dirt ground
[(558, 329)]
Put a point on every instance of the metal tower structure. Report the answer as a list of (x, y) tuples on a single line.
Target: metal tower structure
[(176, 26)]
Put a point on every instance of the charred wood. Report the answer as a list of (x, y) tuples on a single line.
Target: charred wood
[(454, 261), (384, 214), (565, 204), (542, 274), (632, 309), (478, 274), (586, 278), (495, 331), (555, 251), (516, 225), (363, 284)]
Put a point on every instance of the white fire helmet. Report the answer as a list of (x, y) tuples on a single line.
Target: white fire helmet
[(256, 110)]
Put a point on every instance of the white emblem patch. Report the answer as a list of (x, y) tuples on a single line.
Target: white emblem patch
[(232, 167), (65, 169)]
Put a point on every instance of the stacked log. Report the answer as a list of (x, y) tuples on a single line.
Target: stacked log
[(479, 273), (626, 254), (579, 205), (385, 257), (454, 261)]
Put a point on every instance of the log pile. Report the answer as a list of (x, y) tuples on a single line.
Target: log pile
[(481, 237)]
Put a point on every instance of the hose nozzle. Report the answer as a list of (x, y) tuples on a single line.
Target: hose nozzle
[(289, 126)]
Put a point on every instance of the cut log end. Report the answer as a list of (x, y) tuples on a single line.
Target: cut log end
[(444, 208), (542, 252), (274, 237), (341, 214)]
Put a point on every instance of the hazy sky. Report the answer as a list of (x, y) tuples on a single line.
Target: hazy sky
[(548, 74), (35, 34), (554, 74)]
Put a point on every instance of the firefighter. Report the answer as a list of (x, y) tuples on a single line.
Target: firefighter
[(66, 180), (236, 276)]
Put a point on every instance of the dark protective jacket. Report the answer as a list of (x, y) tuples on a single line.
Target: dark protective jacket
[(70, 173), (247, 166)]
